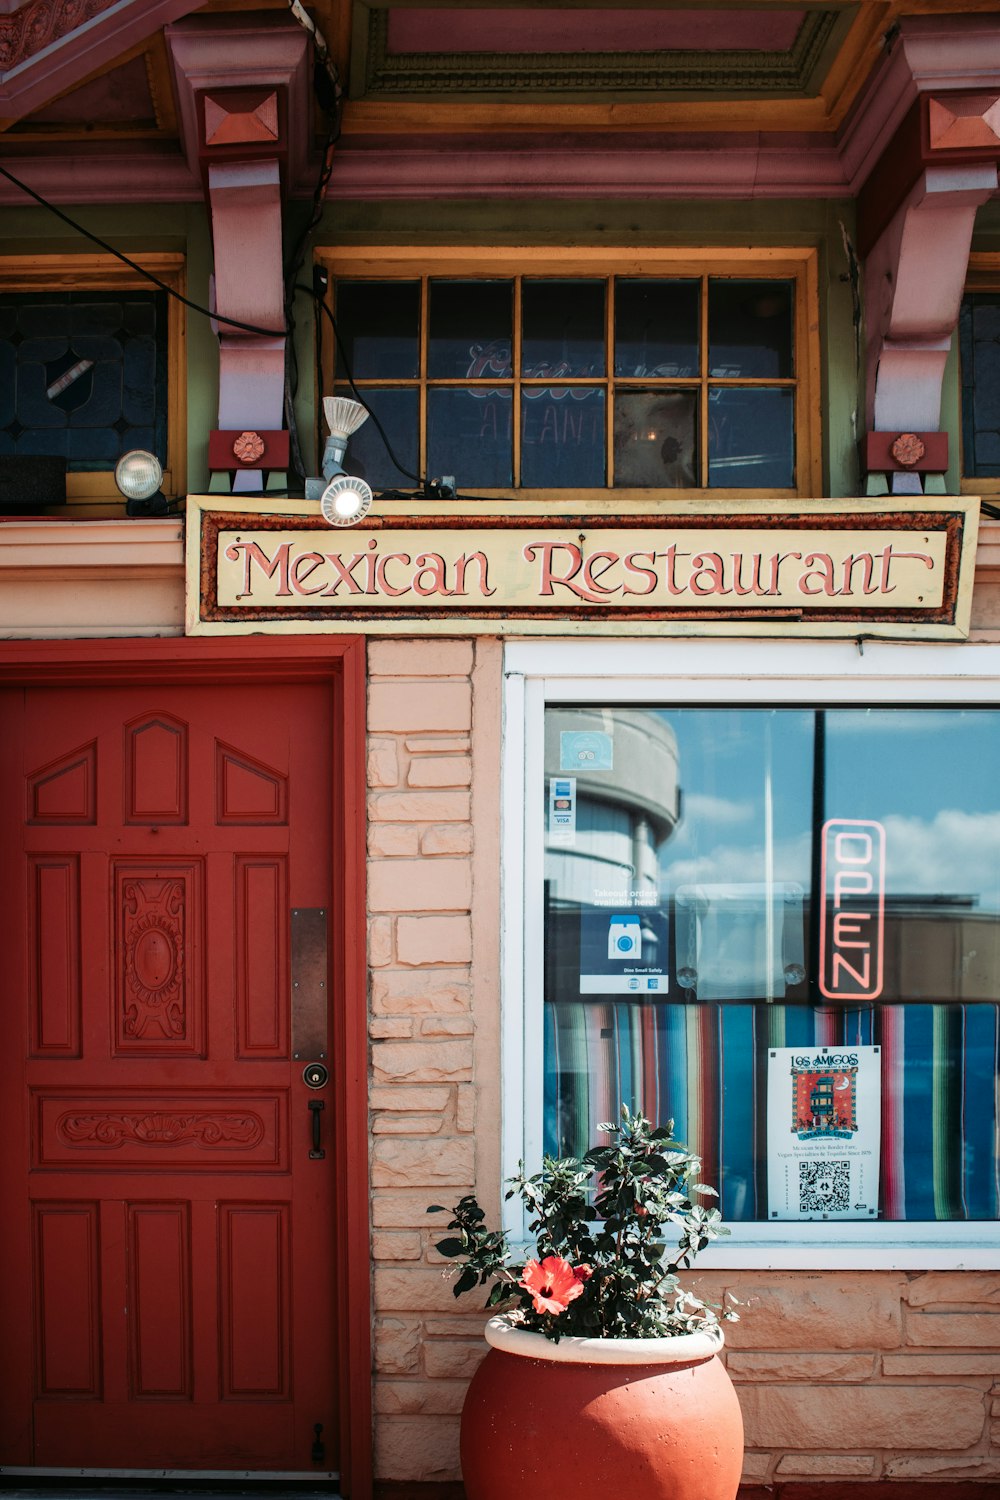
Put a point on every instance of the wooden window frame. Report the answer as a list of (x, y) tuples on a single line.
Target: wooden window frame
[(983, 276), (796, 264), (105, 273)]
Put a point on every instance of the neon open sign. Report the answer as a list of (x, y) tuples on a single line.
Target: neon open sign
[(852, 910)]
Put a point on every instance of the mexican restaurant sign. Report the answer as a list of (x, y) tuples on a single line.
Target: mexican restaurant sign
[(820, 567)]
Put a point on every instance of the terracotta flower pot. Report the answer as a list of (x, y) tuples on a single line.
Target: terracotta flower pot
[(653, 1419)]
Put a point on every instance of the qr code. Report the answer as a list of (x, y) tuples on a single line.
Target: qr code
[(824, 1187)]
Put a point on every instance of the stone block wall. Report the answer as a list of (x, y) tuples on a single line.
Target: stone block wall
[(434, 912), (844, 1377), (871, 1375)]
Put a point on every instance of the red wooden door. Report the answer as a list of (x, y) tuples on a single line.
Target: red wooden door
[(167, 1271)]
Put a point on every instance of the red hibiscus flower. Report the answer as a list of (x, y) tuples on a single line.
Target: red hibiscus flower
[(553, 1284)]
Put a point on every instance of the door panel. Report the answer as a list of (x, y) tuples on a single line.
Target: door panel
[(167, 1276)]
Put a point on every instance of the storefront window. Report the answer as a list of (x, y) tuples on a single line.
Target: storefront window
[(781, 928)]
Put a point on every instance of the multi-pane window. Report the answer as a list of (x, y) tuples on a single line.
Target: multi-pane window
[(91, 366), (781, 928), (83, 375), (979, 338), (692, 379)]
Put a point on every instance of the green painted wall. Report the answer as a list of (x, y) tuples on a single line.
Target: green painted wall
[(823, 224)]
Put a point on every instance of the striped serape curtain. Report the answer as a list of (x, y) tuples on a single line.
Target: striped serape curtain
[(705, 1067)]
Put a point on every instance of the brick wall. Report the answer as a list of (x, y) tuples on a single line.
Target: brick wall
[(847, 1377)]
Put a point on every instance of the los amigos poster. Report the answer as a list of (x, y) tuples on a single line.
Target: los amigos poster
[(823, 1132)]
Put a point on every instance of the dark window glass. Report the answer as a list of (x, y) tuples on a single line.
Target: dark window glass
[(656, 327), (750, 328), (751, 437), (562, 437), (378, 323), (979, 328), (367, 455), (781, 927), (470, 436), (656, 434), (470, 329), (562, 328), (84, 375)]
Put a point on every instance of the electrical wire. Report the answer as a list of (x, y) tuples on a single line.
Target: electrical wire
[(428, 488), (321, 304), (171, 291)]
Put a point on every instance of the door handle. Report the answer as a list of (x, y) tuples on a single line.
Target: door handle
[(317, 1153)]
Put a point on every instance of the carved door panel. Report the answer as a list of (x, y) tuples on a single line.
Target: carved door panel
[(167, 1282)]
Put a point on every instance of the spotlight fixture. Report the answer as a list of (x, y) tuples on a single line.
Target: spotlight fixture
[(343, 417), (138, 476), (346, 500)]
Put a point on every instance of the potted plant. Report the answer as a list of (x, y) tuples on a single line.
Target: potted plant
[(602, 1375)]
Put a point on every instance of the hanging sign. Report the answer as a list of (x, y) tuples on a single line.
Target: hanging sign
[(824, 1129), (817, 567)]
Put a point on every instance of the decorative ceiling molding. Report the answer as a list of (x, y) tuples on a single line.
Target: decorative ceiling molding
[(442, 74), (39, 23), (72, 55), (105, 176), (131, 100), (704, 166)]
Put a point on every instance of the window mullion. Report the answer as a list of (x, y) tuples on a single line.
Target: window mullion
[(515, 362), (422, 405), (609, 376), (703, 388)]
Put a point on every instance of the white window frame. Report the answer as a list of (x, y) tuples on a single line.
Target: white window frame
[(692, 673)]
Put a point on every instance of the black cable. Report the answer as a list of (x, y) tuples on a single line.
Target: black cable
[(300, 286), (270, 333), (292, 268), (992, 511)]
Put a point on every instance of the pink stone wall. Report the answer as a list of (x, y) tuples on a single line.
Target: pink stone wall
[(868, 1375), (841, 1376), (434, 902)]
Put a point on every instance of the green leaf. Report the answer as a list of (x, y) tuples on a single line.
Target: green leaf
[(451, 1247)]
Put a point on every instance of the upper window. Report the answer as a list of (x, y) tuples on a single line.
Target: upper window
[(979, 349), (90, 368), (689, 373)]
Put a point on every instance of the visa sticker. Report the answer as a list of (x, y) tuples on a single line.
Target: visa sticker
[(562, 810)]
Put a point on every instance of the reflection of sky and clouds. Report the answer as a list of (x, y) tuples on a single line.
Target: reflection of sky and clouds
[(927, 776)]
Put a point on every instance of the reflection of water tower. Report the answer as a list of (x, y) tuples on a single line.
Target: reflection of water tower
[(622, 814)]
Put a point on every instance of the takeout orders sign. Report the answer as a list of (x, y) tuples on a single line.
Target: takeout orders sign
[(559, 568)]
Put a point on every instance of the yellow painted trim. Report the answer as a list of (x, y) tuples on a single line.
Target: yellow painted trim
[(799, 263), (28, 273), (863, 46), (401, 118)]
